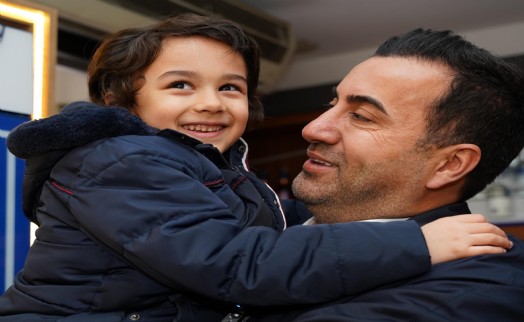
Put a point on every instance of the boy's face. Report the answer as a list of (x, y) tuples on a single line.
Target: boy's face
[(196, 86)]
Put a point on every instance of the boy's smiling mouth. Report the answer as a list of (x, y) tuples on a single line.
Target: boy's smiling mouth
[(203, 128)]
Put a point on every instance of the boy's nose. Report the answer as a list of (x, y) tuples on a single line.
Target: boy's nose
[(209, 101)]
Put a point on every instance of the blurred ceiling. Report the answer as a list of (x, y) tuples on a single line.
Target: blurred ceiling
[(335, 26), (304, 31), (322, 27)]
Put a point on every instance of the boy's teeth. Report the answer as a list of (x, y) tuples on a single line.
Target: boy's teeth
[(202, 128)]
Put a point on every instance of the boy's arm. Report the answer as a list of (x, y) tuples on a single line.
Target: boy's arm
[(179, 232)]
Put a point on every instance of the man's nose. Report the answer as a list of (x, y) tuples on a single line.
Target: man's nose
[(322, 129)]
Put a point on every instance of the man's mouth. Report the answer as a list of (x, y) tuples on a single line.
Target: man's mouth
[(316, 158), (320, 162)]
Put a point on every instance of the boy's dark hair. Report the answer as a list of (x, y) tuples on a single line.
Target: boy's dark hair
[(121, 58), (484, 105)]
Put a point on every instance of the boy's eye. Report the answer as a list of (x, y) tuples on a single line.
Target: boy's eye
[(229, 87), (180, 85)]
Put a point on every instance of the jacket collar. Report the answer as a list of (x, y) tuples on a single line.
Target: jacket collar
[(444, 211), (425, 217), (235, 156), (77, 124)]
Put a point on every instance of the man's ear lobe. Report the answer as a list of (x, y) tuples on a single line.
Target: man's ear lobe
[(457, 161)]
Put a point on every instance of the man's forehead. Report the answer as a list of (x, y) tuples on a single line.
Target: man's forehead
[(401, 68), (395, 77), (401, 88)]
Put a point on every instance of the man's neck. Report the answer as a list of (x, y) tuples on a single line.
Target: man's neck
[(421, 218)]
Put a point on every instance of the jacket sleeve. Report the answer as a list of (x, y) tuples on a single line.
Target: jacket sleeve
[(469, 289), (174, 228)]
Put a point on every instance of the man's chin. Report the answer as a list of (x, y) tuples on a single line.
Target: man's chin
[(308, 190)]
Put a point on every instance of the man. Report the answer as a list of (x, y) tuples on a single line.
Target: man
[(417, 129)]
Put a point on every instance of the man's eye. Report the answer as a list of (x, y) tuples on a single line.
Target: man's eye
[(332, 103), (359, 117)]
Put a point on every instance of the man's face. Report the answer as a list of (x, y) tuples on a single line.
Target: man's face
[(364, 161)]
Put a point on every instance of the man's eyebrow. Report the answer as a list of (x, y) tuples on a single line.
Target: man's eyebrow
[(366, 99)]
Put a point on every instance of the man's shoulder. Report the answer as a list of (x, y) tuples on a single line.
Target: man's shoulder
[(479, 288)]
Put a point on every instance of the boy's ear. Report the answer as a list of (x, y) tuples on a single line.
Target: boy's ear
[(455, 163), (109, 99)]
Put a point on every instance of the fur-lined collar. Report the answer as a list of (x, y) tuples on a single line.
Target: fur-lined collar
[(77, 124)]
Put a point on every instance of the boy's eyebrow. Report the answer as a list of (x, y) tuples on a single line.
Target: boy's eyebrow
[(169, 73), (188, 73), (235, 76)]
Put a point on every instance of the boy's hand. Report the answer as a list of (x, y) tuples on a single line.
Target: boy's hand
[(461, 236)]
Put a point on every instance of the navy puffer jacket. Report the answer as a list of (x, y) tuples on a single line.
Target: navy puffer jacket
[(130, 218)]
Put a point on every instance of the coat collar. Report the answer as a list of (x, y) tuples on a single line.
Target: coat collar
[(77, 124), (444, 211), (425, 217)]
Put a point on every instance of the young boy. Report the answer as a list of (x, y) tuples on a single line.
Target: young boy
[(142, 209)]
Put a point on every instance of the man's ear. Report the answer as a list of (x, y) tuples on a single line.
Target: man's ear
[(455, 163)]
